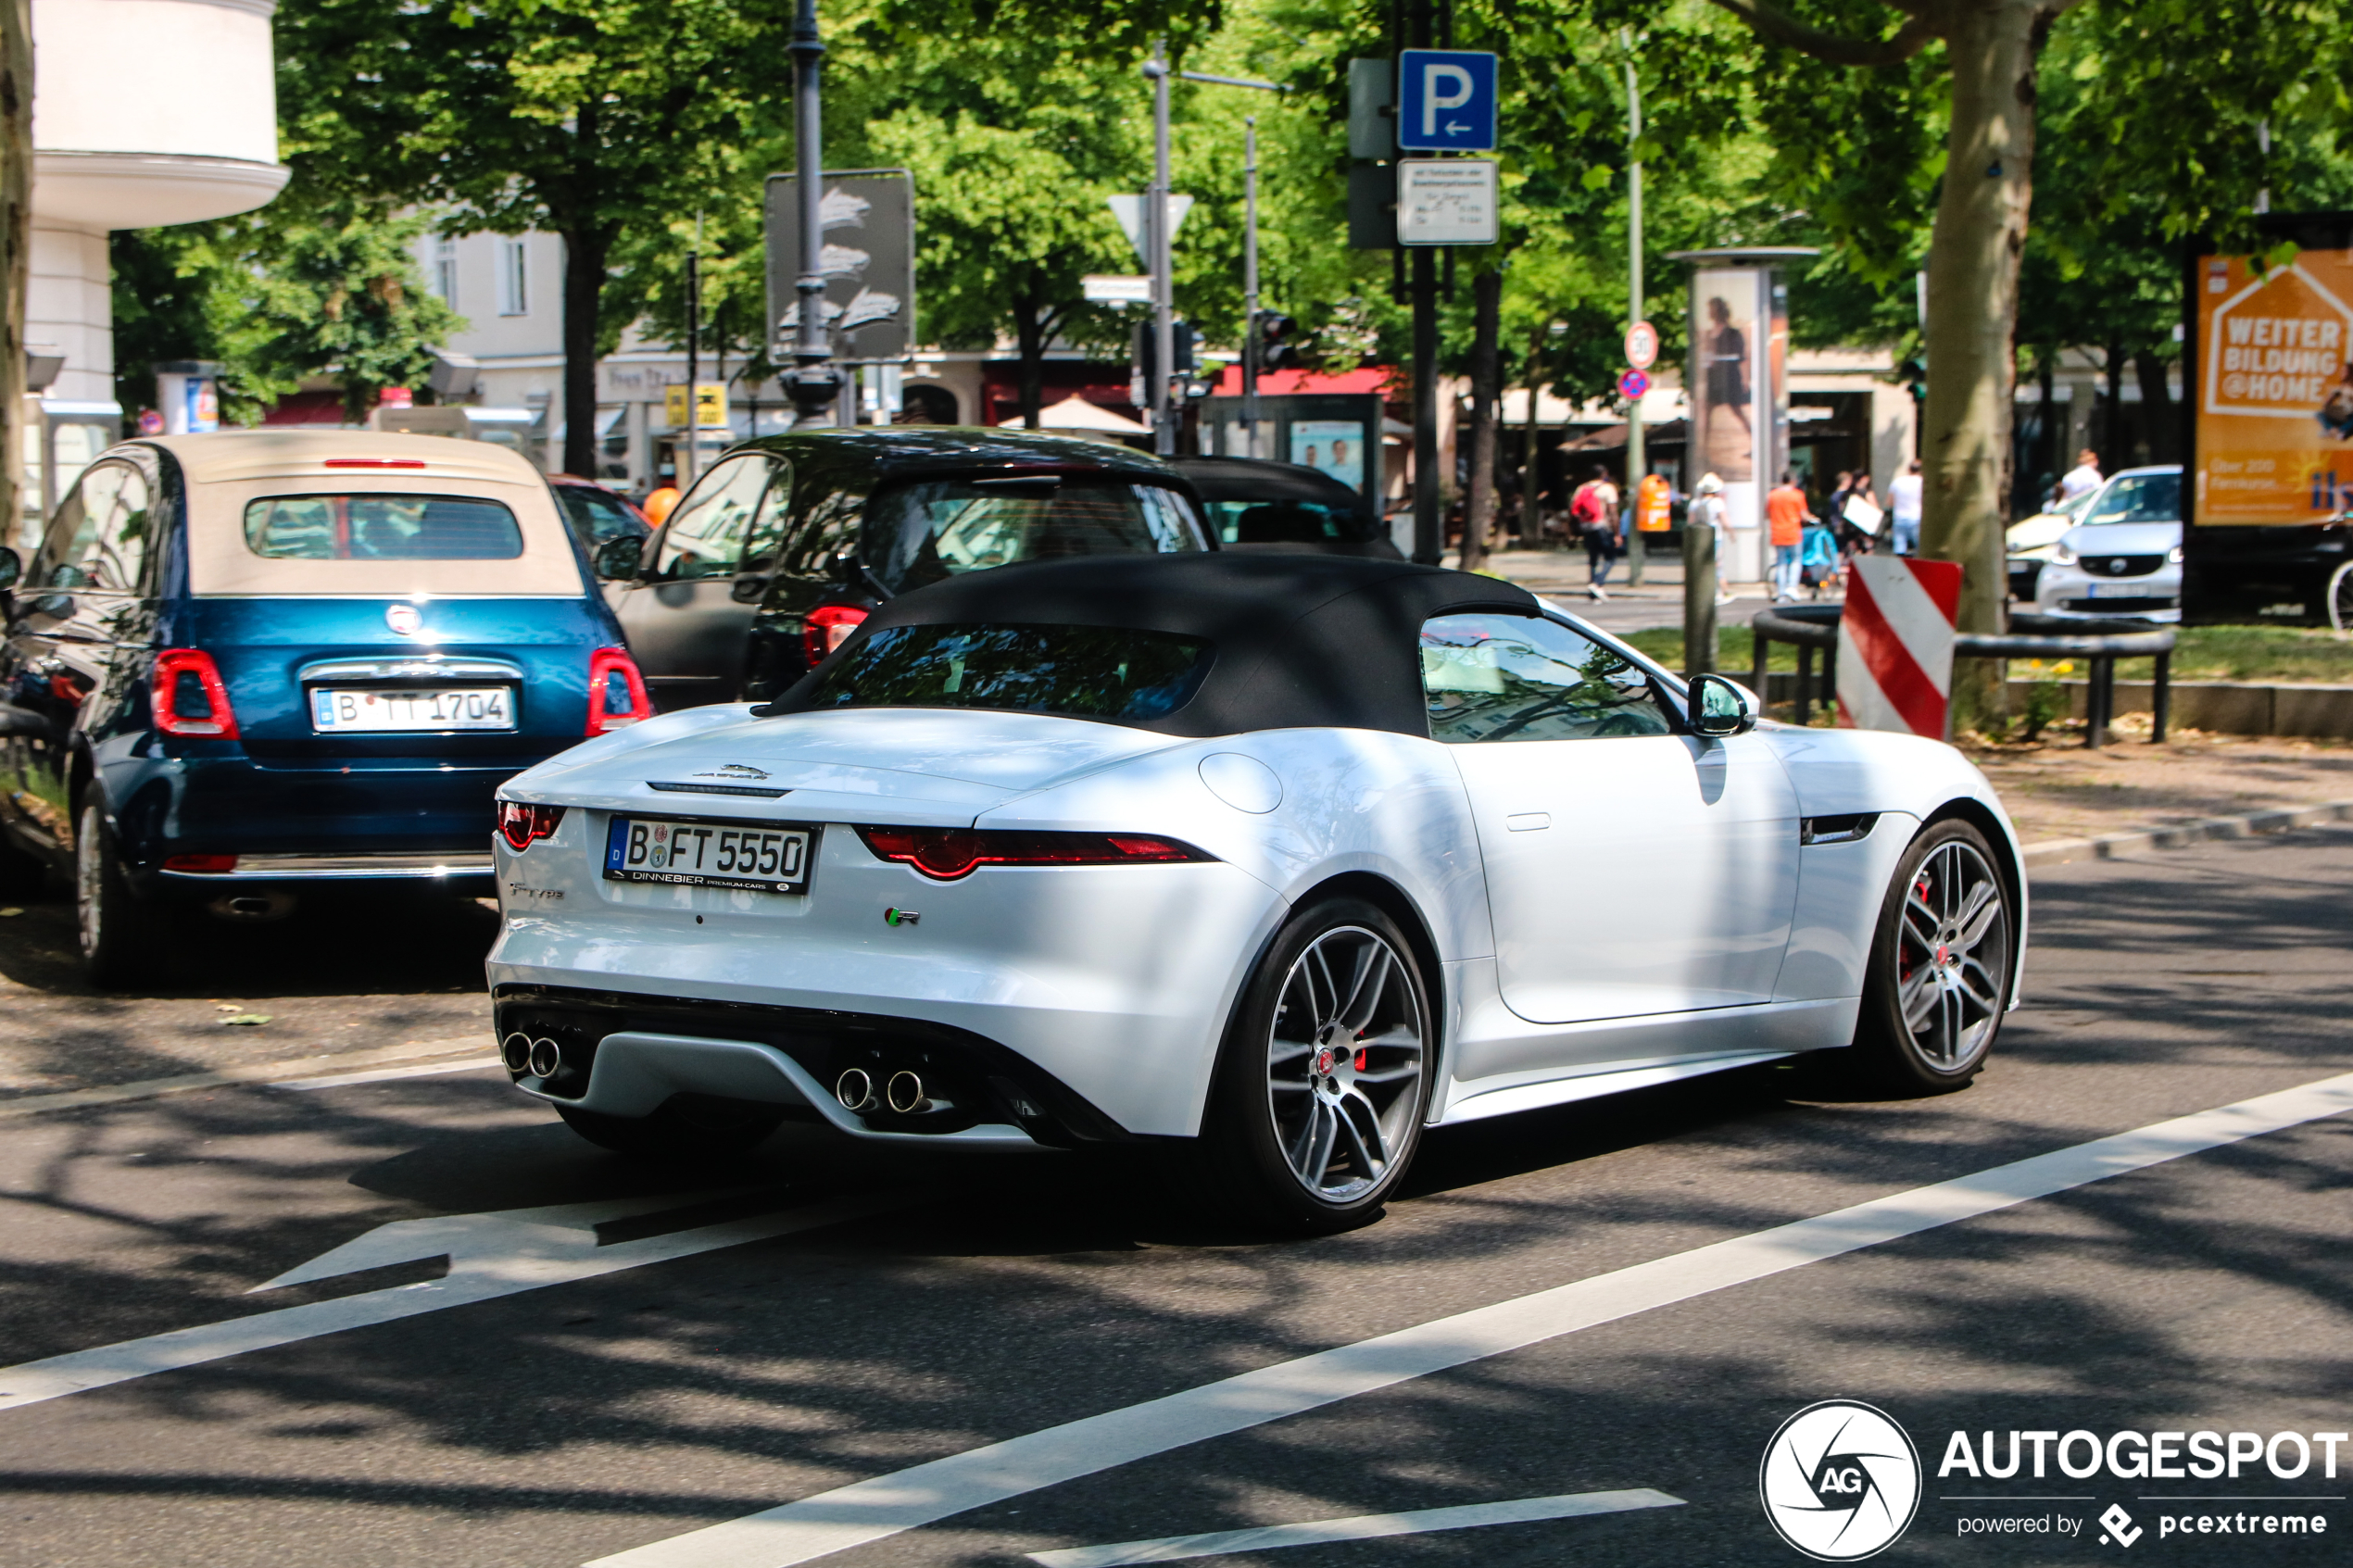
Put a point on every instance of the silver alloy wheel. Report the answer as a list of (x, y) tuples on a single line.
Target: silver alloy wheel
[(2340, 598), (1345, 1062), (89, 878), (1953, 957)]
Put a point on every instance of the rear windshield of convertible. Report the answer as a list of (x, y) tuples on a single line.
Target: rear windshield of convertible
[(1085, 672), (382, 527)]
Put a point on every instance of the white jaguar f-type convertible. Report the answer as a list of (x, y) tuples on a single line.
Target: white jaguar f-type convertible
[(1273, 860)]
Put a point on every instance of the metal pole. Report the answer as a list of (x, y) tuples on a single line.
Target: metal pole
[(812, 383), (685, 464), (1156, 238), (1249, 283), (1637, 459)]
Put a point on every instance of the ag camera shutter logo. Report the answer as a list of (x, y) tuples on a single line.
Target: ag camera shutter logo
[(1841, 1481)]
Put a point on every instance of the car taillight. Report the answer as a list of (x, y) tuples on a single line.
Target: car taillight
[(522, 825), (188, 698), (949, 853), (212, 863), (616, 692), (827, 627)]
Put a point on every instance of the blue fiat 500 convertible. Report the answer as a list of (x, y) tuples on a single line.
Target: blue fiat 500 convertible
[(242, 667)]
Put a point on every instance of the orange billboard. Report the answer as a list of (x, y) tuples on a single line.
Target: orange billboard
[(2273, 373)]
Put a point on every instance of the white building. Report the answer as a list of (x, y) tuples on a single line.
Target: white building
[(144, 113)]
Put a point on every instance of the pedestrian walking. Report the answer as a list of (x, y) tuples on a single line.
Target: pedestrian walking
[(1904, 502), (1786, 514), (1593, 512), (2082, 479), (1707, 511)]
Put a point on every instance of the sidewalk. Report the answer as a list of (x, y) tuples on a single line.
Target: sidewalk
[(2061, 791), (1561, 574)]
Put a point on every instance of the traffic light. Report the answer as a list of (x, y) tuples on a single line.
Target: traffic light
[(1273, 352), (1145, 358)]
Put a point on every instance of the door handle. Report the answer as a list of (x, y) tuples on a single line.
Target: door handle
[(1529, 822)]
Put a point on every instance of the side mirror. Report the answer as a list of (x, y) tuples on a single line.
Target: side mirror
[(749, 589), (1720, 707), (11, 569), (618, 559)]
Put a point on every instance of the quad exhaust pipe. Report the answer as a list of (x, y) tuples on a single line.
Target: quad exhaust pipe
[(903, 1094), (541, 1058)]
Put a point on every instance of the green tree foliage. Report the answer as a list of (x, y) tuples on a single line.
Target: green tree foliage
[(276, 296)]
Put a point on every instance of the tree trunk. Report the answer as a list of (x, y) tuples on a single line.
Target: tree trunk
[(584, 254), (2157, 417), (16, 236), (1487, 387), (2112, 453), (1972, 313), (1029, 335)]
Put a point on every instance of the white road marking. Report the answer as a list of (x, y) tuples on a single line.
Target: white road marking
[(491, 1255), (275, 1072), (885, 1505), (304, 1085), (1365, 1528)]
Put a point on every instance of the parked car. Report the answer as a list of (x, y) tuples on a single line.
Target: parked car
[(2029, 543), (788, 543), (597, 514), (241, 668), (1256, 504), (1269, 861), (2123, 556)]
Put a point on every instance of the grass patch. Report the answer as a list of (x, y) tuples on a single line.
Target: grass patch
[(2285, 654), (1735, 650)]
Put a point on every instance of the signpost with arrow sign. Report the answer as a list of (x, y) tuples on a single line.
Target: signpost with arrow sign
[(1445, 101)]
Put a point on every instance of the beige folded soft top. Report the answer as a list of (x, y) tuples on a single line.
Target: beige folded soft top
[(227, 470)]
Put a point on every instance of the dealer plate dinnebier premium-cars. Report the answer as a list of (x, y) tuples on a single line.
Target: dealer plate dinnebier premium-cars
[(765, 858)]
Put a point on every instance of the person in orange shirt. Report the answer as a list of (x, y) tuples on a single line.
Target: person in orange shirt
[(658, 504), (1787, 514)]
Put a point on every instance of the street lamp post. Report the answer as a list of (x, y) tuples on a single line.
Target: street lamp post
[(1156, 262), (1250, 345), (1637, 459), (813, 383)]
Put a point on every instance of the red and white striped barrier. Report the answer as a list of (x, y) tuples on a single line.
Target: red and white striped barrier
[(1895, 644)]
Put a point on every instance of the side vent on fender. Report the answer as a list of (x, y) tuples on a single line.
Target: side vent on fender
[(1836, 830)]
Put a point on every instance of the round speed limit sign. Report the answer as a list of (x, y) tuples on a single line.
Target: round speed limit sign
[(1642, 346)]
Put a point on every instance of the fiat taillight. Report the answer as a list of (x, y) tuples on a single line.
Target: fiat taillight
[(521, 825), (616, 692), (827, 627), (188, 698), (946, 854)]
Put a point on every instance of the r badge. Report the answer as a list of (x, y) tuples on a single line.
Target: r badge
[(901, 917)]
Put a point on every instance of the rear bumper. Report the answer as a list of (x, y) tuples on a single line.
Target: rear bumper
[(379, 866), (625, 1056)]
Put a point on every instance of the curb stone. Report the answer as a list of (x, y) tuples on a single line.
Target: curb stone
[(2181, 835)]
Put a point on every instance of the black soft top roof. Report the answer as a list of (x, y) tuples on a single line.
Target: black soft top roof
[(1260, 479), (1296, 641)]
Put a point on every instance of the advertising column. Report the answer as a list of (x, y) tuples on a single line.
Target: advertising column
[(1729, 367)]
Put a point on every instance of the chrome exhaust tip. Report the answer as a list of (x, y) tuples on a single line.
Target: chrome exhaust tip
[(905, 1094), (546, 1057), (855, 1089), (515, 1051)]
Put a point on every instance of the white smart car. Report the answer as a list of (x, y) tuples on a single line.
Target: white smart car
[(1272, 861), (2123, 554)]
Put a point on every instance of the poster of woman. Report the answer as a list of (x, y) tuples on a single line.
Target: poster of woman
[(1334, 447)]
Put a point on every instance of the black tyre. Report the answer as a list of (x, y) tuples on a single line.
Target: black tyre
[(1941, 967), (687, 1128), (1324, 1079), (126, 940), (23, 874)]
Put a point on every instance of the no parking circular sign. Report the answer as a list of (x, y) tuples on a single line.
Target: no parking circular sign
[(1631, 384)]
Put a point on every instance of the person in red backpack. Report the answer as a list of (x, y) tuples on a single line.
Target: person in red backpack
[(1593, 511)]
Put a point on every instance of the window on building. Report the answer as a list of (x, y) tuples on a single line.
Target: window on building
[(444, 272), (514, 277)]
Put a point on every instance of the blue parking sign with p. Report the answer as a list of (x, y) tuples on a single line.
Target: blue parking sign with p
[(1445, 100)]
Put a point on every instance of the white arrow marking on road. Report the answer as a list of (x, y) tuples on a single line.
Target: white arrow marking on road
[(490, 1256), (920, 1494)]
